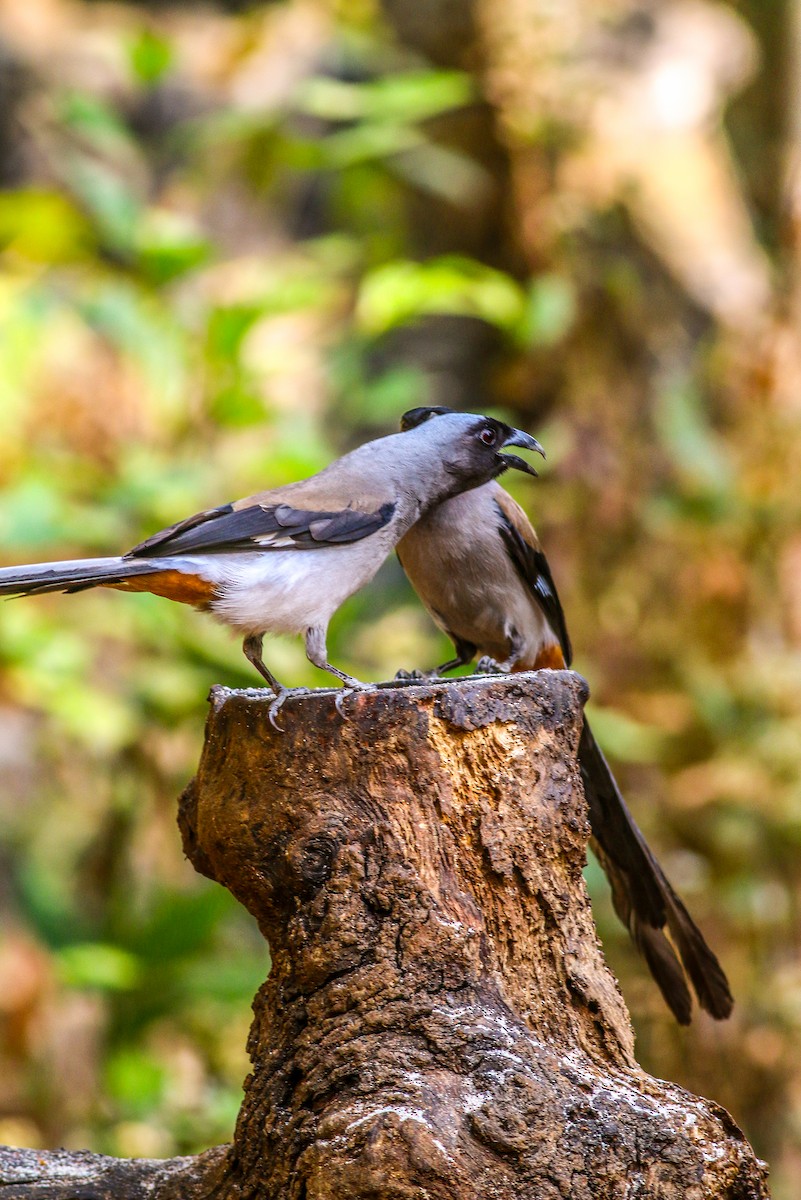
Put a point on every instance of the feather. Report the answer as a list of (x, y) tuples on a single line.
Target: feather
[(644, 899), (261, 527), (532, 566)]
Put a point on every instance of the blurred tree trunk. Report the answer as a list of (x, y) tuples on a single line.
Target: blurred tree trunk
[(439, 1020)]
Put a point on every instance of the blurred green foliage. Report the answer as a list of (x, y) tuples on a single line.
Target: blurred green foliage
[(235, 246)]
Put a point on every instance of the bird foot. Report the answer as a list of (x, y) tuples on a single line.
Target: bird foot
[(282, 694), (351, 685), (414, 676), (488, 666)]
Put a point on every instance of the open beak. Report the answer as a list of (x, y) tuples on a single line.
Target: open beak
[(519, 464), (526, 442)]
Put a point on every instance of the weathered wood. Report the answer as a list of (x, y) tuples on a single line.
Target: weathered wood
[(79, 1175), (439, 1021)]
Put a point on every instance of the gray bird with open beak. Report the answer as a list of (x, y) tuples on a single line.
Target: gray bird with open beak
[(477, 565), (284, 560)]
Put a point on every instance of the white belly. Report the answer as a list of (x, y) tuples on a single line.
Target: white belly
[(286, 591)]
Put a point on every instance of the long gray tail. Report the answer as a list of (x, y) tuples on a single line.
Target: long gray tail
[(34, 579), (644, 899)]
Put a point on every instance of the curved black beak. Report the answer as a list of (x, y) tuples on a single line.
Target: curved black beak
[(519, 464), (524, 440)]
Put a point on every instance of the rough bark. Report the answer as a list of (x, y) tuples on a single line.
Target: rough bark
[(439, 1021), (79, 1175)]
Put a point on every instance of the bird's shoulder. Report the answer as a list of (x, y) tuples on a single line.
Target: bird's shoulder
[(515, 516)]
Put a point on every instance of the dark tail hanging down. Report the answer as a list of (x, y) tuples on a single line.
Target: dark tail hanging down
[(644, 899)]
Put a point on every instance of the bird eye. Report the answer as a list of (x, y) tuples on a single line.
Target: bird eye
[(488, 436)]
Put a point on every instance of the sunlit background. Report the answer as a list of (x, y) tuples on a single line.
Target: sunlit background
[(236, 241)]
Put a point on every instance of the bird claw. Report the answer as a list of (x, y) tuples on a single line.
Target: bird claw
[(281, 696), (275, 708), (414, 676), (351, 685), (488, 666)]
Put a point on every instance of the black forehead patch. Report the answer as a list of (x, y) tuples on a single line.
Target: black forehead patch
[(416, 416)]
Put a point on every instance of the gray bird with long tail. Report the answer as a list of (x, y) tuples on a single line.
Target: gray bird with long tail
[(284, 560)]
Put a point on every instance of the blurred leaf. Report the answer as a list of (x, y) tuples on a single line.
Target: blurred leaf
[(168, 245), (165, 689), (137, 324), (626, 739), (102, 722), (550, 311), (400, 292), (48, 904), (151, 56), (227, 327), (685, 432), (373, 398), (379, 118), (97, 122), (180, 924), (108, 199), (43, 226), (364, 143), (400, 98), (236, 406), (444, 172), (235, 979), (39, 512), (135, 1079), (32, 514), (97, 965)]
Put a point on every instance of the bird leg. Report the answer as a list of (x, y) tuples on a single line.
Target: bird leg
[(465, 653), (489, 666), (252, 648), (317, 654), (452, 664)]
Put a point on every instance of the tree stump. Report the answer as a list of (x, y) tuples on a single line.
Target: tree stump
[(439, 1022)]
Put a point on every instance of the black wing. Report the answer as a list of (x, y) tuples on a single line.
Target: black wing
[(263, 527), (151, 545), (532, 567)]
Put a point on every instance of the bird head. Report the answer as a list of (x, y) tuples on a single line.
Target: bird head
[(474, 442)]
